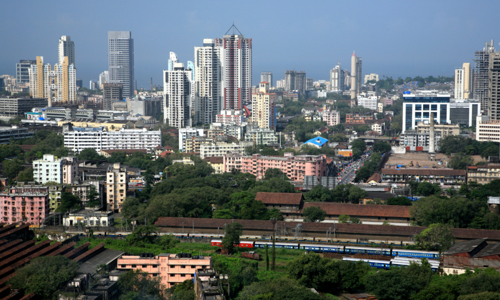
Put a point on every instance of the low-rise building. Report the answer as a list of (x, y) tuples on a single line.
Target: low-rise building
[(294, 167), (488, 130), (52, 169), (24, 203), (357, 118), (415, 141), (186, 160), (232, 161), (55, 193), (230, 117), (14, 106), (285, 202), (367, 214), (188, 133), (378, 127), (437, 176), (217, 163), (317, 142), (82, 191), (369, 102), (443, 130), (171, 269), (89, 218), (208, 285), (261, 136), (473, 254), (483, 174), (7, 134), (222, 148)]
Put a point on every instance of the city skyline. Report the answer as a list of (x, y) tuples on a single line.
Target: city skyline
[(396, 46)]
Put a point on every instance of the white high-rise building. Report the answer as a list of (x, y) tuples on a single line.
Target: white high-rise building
[(208, 82), (66, 48), (337, 79), (178, 97), (267, 77), (121, 60), (103, 78), (172, 60), (463, 82)]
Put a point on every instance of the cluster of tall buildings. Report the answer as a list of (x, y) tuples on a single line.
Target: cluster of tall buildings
[(219, 80), (57, 84)]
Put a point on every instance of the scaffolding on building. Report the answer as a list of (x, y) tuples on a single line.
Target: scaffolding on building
[(481, 72)]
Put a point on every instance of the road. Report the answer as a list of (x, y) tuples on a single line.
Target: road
[(349, 172)]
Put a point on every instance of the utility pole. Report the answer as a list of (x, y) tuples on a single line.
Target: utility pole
[(273, 221)]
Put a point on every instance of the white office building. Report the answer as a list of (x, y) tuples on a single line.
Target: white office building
[(48, 169), (178, 96), (369, 102), (463, 82), (188, 133), (419, 106), (337, 79), (99, 139)]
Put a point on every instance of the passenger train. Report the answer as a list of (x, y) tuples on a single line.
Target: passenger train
[(340, 249), (397, 261)]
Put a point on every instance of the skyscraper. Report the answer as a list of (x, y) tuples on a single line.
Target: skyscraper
[(337, 79), (56, 85), (22, 71), (66, 48), (481, 74), (356, 74), (263, 107), (463, 82), (121, 60), (295, 81), (112, 92), (267, 77), (178, 96), (236, 58), (208, 82), (103, 78), (494, 86)]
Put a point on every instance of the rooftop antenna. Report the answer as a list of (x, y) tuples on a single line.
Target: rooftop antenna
[(233, 27)]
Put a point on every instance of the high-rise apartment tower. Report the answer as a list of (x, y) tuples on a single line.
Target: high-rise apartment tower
[(356, 73), (337, 79), (121, 60), (481, 74), (494, 86), (236, 58), (267, 77), (178, 96), (66, 48), (463, 82), (263, 107)]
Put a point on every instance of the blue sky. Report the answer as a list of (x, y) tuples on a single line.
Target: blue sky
[(394, 38)]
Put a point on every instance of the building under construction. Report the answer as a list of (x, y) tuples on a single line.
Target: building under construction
[(481, 72)]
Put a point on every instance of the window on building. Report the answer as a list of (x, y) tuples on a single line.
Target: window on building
[(134, 266)]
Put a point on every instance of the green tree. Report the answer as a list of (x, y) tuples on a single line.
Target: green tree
[(277, 289), (381, 146), (44, 276), (26, 175), (380, 116), (232, 236), (460, 161), (436, 236), (136, 285), (314, 214), (358, 147), (319, 194), (167, 241), (356, 194), (90, 154), (93, 198), (274, 173), (69, 202), (145, 234), (11, 168), (344, 218), (400, 200), (427, 189)]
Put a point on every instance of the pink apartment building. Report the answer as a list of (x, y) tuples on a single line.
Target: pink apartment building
[(27, 203), (171, 268), (331, 117), (295, 167)]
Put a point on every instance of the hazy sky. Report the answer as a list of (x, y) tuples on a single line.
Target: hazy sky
[(394, 38)]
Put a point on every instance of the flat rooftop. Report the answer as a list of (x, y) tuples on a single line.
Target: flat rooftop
[(104, 257), (421, 158)]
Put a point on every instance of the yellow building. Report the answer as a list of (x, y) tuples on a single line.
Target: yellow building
[(217, 163), (56, 85), (263, 107), (116, 187)]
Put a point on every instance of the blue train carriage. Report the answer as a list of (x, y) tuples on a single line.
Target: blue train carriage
[(375, 263), (415, 253), (321, 248), (277, 245), (406, 261), (367, 250)]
